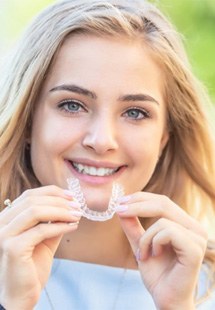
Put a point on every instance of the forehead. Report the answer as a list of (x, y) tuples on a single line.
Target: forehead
[(95, 60)]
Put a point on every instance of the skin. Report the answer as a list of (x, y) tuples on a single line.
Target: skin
[(106, 128), (97, 131)]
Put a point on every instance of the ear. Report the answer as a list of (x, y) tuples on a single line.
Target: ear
[(28, 135), (164, 141)]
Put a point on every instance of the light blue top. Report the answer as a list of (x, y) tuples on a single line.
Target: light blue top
[(83, 286)]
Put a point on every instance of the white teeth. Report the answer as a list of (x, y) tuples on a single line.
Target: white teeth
[(81, 167), (102, 171), (93, 170)]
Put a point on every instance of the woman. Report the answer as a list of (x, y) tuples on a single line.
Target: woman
[(102, 92)]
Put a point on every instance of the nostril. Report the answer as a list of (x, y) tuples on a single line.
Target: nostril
[(100, 143)]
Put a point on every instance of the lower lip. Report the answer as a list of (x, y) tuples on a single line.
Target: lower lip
[(94, 179)]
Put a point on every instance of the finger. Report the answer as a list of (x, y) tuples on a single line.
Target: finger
[(34, 215), (165, 232), (133, 231), (25, 243), (38, 201), (158, 206), (50, 190)]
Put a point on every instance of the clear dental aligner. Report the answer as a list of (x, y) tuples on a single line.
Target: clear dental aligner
[(117, 192)]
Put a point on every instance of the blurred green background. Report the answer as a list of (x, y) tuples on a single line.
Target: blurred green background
[(195, 19)]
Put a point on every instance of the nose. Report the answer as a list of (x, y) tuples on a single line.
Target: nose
[(101, 136)]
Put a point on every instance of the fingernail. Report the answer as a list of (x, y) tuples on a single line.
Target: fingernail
[(68, 193), (124, 199), (121, 208), (76, 213), (138, 256), (74, 204)]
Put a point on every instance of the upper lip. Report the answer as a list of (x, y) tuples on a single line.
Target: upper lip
[(96, 164)]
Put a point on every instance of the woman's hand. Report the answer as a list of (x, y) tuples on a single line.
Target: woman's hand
[(169, 252), (30, 232)]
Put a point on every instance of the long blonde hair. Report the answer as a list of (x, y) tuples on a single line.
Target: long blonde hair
[(186, 169)]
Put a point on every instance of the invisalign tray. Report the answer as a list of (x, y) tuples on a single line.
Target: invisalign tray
[(117, 192)]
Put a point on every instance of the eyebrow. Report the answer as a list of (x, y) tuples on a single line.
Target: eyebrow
[(75, 89), (83, 91), (138, 97)]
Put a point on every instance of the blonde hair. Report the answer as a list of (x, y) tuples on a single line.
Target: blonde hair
[(186, 169)]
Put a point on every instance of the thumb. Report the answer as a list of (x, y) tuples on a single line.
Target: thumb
[(133, 231), (53, 243)]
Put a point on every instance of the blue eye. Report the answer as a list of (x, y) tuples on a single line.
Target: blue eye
[(137, 114), (71, 106)]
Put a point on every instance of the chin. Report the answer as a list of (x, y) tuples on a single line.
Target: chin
[(98, 204), (97, 200)]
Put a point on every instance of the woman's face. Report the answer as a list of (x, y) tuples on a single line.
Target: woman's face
[(100, 117)]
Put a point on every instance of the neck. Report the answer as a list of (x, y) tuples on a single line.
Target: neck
[(101, 243)]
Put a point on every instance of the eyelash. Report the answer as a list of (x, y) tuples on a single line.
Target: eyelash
[(62, 106), (145, 114)]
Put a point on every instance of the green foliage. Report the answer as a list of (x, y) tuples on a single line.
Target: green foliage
[(20, 13), (195, 19)]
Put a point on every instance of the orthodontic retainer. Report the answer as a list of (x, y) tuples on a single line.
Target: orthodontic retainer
[(117, 192)]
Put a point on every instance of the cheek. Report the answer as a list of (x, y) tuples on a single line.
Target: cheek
[(145, 157), (51, 132), (49, 143), (143, 153), (142, 166), (143, 143)]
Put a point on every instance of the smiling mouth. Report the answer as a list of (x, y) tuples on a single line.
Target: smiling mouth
[(94, 171)]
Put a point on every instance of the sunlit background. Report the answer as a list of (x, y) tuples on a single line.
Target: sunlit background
[(195, 19)]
